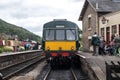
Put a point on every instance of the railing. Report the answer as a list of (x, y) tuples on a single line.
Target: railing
[(112, 70)]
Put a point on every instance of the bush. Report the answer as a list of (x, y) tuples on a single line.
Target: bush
[(81, 47), (22, 48), (1, 50), (8, 49)]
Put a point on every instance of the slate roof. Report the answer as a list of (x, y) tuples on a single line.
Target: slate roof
[(103, 6)]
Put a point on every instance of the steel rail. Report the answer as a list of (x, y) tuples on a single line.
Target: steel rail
[(75, 77), (18, 63), (24, 65), (11, 59), (47, 74)]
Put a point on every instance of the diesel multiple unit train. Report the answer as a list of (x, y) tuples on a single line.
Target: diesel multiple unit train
[(60, 42)]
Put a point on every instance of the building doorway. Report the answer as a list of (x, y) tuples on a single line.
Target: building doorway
[(107, 34)]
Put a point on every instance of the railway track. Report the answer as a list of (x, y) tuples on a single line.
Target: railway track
[(9, 71), (62, 74)]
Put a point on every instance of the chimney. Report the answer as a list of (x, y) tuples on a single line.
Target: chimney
[(97, 5)]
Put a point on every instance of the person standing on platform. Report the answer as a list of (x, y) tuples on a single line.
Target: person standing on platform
[(117, 43), (95, 42), (101, 46)]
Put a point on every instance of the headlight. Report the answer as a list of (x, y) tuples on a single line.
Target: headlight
[(72, 48), (48, 48)]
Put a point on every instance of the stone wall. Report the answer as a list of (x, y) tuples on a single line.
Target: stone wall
[(89, 27)]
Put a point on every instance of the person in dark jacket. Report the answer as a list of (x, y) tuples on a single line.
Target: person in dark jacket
[(95, 42)]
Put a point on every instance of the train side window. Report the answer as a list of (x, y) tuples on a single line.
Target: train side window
[(60, 35), (49, 34), (70, 34)]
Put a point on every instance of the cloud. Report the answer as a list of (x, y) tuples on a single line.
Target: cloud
[(32, 14)]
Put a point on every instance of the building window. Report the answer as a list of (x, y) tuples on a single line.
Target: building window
[(107, 34), (89, 23), (114, 29), (102, 31), (119, 29)]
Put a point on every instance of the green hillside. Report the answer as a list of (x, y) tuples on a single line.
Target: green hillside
[(22, 33)]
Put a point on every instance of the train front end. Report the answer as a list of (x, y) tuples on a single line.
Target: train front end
[(60, 42)]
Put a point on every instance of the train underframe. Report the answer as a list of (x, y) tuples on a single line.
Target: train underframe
[(62, 59)]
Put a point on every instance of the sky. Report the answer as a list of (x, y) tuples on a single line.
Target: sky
[(33, 14)]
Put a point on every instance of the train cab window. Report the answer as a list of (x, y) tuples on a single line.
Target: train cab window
[(49, 34), (70, 34), (60, 35)]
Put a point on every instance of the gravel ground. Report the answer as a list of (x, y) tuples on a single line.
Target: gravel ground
[(32, 75)]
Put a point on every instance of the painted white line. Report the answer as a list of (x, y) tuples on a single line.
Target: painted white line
[(82, 56)]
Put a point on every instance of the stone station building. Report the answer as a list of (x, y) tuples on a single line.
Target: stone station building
[(97, 16)]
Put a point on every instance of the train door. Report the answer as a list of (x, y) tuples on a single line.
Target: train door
[(108, 34)]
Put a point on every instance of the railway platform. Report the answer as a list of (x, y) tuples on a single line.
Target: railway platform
[(95, 66)]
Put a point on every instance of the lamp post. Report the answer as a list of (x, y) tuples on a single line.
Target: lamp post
[(103, 20)]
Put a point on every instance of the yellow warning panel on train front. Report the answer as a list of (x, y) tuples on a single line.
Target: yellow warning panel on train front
[(63, 45)]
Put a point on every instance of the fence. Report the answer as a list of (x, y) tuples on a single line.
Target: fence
[(112, 70)]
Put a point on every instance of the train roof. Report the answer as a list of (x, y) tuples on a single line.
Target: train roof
[(60, 23)]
